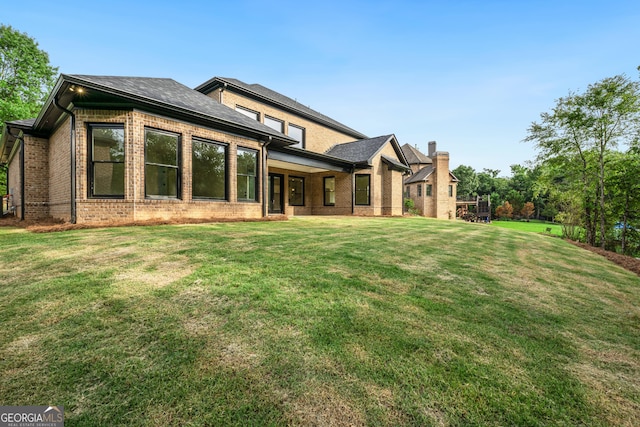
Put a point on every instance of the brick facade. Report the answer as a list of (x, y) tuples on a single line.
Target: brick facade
[(318, 138), (50, 165)]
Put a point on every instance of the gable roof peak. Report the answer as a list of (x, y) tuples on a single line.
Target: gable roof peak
[(415, 156)]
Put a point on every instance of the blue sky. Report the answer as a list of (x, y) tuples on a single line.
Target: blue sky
[(471, 75)]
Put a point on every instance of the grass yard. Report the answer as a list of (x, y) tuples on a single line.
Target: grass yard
[(531, 226), (318, 321)]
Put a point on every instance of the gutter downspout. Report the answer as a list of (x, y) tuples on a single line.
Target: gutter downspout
[(222, 89), (19, 137), (353, 190), (265, 181), (73, 157)]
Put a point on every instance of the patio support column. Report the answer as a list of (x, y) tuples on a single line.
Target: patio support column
[(265, 178)]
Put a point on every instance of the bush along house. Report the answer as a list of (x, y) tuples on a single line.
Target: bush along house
[(129, 149)]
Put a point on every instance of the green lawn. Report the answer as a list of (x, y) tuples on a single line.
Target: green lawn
[(532, 226), (318, 321)]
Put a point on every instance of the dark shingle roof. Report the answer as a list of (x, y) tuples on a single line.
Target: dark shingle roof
[(420, 176), (281, 100), (361, 151), (393, 163), (414, 156), (169, 93)]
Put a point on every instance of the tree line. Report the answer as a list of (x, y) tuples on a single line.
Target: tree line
[(587, 172)]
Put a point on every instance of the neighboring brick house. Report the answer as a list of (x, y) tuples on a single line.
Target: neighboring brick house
[(126, 149), (431, 186)]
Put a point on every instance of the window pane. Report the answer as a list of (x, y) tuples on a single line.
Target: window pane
[(209, 171), (330, 191), (246, 188), (362, 189), (297, 133), (247, 162), (296, 191), (252, 114), (108, 144), (108, 179), (161, 181), (161, 148), (274, 124), (247, 174)]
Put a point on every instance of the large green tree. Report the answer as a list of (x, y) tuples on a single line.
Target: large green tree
[(26, 77), (579, 132), (468, 181)]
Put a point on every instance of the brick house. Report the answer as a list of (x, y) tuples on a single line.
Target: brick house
[(126, 149), (431, 185)]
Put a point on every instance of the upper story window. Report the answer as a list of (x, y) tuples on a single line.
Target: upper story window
[(209, 169), (249, 113), (162, 163), (297, 133), (247, 174), (106, 164), (329, 191), (274, 124), (363, 183)]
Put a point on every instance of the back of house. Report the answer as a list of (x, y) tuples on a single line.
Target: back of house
[(128, 149)]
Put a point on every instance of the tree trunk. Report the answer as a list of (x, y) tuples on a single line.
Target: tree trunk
[(602, 198)]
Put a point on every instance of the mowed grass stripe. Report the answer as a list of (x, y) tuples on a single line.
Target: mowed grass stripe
[(318, 321)]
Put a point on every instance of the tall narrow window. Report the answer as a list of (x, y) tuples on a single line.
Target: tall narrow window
[(407, 191), (329, 191), (362, 189), (274, 124), (296, 191), (162, 163), (249, 113), (106, 147), (209, 169), (428, 190), (297, 133), (451, 191), (247, 174), (419, 190)]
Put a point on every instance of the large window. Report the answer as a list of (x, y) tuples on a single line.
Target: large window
[(296, 191), (274, 124), (247, 174), (106, 147), (297, 133), (362, 189), (162, 163), (209, 169), (249, 113), (329, 191)]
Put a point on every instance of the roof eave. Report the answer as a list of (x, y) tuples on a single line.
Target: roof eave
[(216, 82), (66, 80)]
